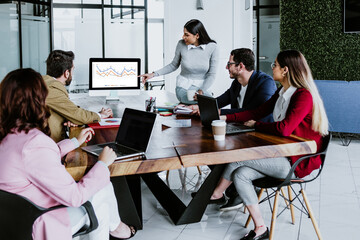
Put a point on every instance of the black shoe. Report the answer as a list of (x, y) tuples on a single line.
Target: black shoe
[(251, 235), (133, 231), (233, 203), (231, 192), (219, 201)]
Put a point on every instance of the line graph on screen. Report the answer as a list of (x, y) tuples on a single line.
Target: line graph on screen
[(113, 72)]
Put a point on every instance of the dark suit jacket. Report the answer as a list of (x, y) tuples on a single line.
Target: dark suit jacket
[(260, 88)]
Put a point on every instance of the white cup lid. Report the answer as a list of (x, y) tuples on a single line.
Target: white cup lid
[(218, 123)]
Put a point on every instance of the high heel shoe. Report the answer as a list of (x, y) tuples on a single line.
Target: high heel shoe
[(251, 235), (133, 231)]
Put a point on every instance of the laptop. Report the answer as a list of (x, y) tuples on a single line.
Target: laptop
[(209, 111), (133, 136)]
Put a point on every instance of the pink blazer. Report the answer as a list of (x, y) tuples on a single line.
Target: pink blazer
[(30, 165)]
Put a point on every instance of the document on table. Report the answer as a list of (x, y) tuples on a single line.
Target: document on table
[(182, 110), (109, 121), (177, 123)]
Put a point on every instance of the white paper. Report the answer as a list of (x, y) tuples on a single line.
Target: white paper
[(182, 110), (110, 121), (177, 123)]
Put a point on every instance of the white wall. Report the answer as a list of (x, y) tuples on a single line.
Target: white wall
[(226, 21)]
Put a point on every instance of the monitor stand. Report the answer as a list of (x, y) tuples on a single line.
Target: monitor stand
[(113, 97)]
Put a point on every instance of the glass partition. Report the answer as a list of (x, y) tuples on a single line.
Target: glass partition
[(79, 27), (35, 33), (124, 38), (266, 26), (9, 40), (29, 47), (80, 31), (78, 1)]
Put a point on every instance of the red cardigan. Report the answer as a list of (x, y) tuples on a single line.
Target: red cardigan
[(297, 121)]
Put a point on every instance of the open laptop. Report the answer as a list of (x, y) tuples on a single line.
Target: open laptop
[(209, 111), (132, 137)]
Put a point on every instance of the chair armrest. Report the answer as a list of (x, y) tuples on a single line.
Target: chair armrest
[(93, 220), (293, 167)]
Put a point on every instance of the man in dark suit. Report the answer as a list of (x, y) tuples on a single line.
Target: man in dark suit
[(249, 90)]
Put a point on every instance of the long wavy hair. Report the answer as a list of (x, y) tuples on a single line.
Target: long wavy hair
[(300, 76), (22, 103), (194, 26)]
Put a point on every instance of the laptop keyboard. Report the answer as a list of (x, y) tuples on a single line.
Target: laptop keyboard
[(121, 150), (234, 128), (231, 128)]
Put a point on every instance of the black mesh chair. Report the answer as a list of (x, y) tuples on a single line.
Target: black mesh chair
[(17, 215), (276, 185)]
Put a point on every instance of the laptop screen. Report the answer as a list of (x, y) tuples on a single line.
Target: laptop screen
[(135, 129), (208, 110)]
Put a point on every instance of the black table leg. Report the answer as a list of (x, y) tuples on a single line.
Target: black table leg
[(178, 212), (128, 194)]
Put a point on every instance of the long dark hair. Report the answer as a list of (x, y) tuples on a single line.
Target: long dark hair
[(22, 103), (194, 26)]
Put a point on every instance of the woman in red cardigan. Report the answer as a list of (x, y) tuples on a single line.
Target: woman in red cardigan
[(297, 109)]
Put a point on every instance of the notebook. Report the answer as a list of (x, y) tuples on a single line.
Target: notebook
[(133, 136), (209, 111)]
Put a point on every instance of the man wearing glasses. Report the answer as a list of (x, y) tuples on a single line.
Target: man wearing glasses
[(249, 90)]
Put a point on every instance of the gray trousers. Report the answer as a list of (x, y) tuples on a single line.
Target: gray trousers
[(181, 94), (244, 172)]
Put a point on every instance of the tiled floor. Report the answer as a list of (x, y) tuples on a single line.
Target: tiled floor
[(334, 197)]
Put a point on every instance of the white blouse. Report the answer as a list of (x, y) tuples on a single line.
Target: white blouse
[(282, 103)]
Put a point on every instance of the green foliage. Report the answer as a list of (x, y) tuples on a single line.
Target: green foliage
[(316, 29)]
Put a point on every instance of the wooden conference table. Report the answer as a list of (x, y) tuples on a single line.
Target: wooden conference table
[(174, 148)]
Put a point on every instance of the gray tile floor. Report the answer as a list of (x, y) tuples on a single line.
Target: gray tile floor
[(334, 197)]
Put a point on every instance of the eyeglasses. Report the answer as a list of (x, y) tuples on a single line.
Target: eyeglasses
[(230, 63), (273, 65)]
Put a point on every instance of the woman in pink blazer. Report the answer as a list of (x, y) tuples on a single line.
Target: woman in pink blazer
[(30, 165)]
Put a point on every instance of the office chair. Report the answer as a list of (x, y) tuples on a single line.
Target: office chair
[(156, 83), (17, 215), (276, 185)]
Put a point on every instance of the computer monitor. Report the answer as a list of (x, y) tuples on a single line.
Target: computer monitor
[(112, 77)]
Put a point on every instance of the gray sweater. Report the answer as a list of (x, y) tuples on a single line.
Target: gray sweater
[(196, 63)]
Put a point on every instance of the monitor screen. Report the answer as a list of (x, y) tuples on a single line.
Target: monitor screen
[(114, 73), (351, 16)]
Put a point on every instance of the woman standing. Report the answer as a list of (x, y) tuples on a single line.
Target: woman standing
[(197, 54), (297, 109), (30, 165)]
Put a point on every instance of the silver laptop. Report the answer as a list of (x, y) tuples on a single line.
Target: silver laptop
[(209, 111), (133, 135)]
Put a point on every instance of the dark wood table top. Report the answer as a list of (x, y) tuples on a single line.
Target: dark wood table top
[(195, 146)]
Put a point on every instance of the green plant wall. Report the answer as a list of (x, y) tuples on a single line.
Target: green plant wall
[(316, 29)]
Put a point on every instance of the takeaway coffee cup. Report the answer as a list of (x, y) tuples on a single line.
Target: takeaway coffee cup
[(191, 94), (219, 129)]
